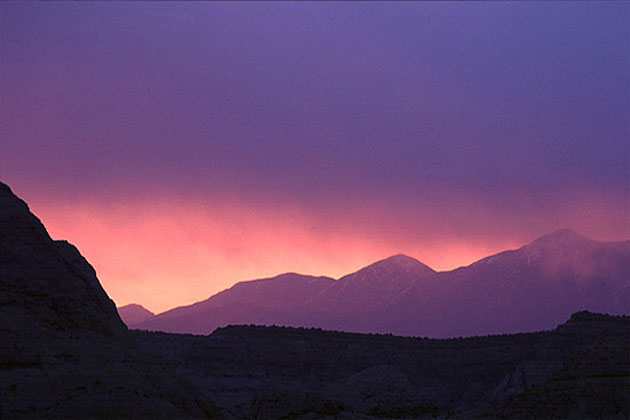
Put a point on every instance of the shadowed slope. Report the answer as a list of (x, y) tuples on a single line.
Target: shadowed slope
[(65, 353), (358, 302), (46, 282)]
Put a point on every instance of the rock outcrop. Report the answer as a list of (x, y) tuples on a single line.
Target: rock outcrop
[(65, 352), (46, 283)]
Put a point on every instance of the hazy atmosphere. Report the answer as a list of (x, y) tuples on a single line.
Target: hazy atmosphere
[(185, 148)]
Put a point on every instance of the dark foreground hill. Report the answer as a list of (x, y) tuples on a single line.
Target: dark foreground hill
[(65, 353), (581, 369)]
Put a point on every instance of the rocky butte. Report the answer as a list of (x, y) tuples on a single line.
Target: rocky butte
[(65, 352)]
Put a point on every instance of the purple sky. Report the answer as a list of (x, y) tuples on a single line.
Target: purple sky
[(486, 123)]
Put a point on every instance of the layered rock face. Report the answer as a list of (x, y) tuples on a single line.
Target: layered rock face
[(64, 350)]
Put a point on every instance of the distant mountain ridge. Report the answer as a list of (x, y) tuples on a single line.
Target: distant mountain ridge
[(531, 288), (66, 353), (134, 313), (258, 301)]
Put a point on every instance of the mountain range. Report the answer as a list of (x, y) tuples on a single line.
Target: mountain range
[(134, 314), (65, 352), (531, 288)]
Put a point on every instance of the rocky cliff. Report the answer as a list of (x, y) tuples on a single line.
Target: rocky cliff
[(64, 350), (45, 283)]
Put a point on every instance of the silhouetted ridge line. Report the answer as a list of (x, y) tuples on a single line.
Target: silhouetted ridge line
[(531, 288), (67, 355), (44, 272), (133, 314)]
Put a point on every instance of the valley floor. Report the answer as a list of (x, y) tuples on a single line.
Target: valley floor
[(579, 370)]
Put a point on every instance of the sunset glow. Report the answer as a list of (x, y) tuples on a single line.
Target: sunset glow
[(166, 253), (185, 148)]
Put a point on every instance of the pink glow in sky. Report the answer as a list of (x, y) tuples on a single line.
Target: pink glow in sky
[(185, 146), (169, 252)]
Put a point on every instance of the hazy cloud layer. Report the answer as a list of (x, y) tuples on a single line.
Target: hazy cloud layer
[(413, 127)]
